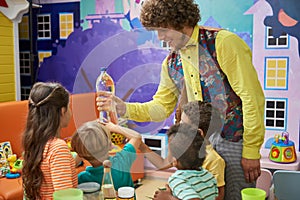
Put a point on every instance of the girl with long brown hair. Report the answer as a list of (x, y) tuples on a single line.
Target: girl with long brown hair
[(48, 164)]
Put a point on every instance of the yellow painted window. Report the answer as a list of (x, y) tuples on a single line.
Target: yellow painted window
[(24, 29), (63, 26), (43, 54), (272, 63), (66, 25), (281, 83), (271, 73), (281, 63), (271, 82), (276, 73), (281, 73)]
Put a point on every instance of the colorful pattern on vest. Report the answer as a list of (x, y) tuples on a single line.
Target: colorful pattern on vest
[(214, 84)]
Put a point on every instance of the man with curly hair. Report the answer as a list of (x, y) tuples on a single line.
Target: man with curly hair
[(212, 65)]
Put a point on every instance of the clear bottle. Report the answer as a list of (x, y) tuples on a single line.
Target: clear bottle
[(100, 197), (105, 82), (107, 187)]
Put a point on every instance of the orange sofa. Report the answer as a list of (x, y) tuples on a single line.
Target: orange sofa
[(12, 123)]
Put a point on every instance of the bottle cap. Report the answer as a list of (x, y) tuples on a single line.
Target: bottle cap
[(126, 192), (107, 164)]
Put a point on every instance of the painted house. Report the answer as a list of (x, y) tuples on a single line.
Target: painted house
[(10, 15), (52, 22), (278, 64)]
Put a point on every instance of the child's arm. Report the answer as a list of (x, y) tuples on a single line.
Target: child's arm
[(155, 159), (61, 172), (136, 141), (128, 133), (134, 137)]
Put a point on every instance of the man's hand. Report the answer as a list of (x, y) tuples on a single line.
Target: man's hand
[(104, 102), (251, 169), (164, 194)]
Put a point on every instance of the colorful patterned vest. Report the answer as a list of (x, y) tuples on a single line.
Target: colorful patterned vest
[(214, 84)]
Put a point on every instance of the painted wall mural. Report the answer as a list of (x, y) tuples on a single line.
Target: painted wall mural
[(285, 18), (132, 58), (228, 15), (276, 57), (112, 36)]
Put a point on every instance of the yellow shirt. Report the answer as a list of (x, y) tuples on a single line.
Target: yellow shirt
[(215, 164), (235, 60)]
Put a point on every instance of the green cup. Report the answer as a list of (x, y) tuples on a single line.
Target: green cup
[(253, 194), (68, 194)]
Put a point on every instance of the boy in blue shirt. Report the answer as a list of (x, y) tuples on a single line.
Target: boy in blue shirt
[(92, 142)]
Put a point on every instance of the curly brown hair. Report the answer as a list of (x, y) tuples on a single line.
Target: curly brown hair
[(169, 14), (187, 145), (203, 115), (43, 123)]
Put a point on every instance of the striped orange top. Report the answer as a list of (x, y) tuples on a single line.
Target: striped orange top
[(58, 167)]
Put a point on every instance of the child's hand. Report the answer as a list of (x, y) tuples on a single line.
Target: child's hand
[(108, 124), (111, 126), (78, 161), (166, 193)]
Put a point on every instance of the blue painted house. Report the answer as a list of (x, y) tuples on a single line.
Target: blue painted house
[(52, 22)]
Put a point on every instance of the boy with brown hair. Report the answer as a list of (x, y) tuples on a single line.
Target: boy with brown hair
[(199, 113), (207, 119), (92, 142), (191, 180)]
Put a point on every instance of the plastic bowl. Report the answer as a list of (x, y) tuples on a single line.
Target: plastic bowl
[(68, 194), (253, 194)]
